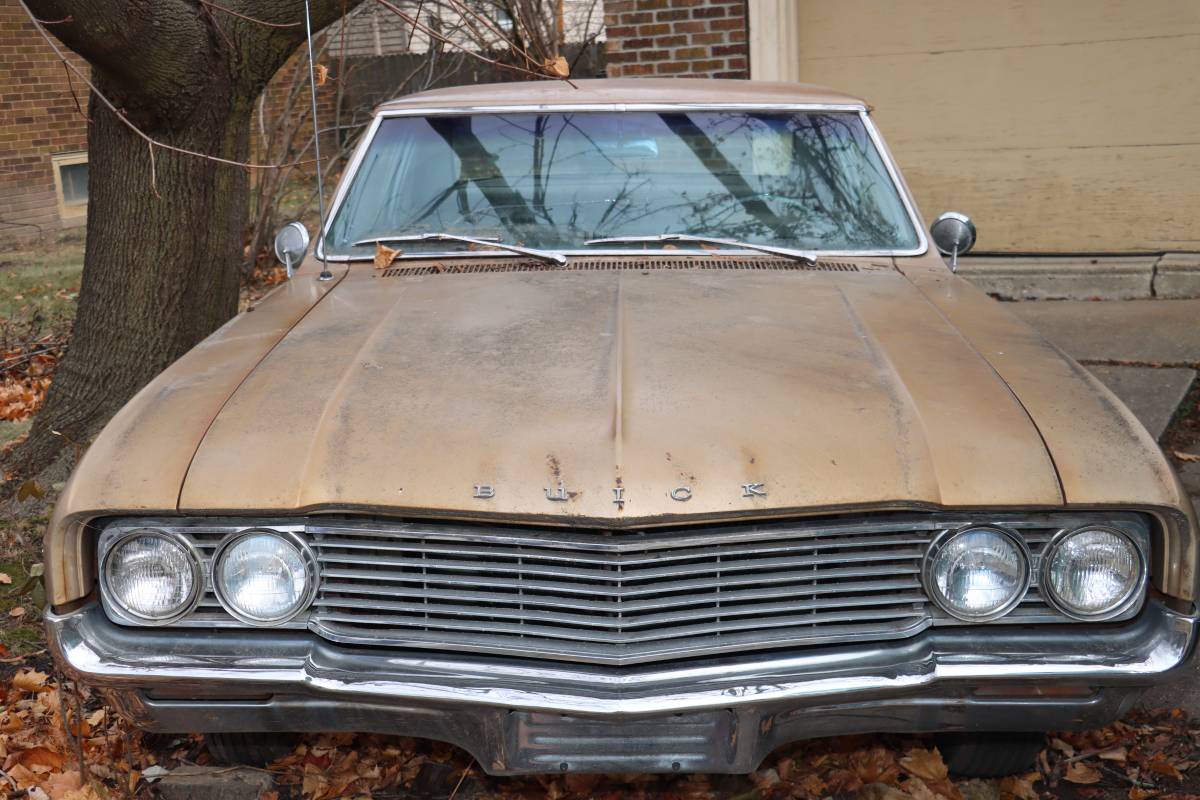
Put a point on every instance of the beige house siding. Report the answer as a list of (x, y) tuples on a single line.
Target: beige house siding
[(1058, 125)]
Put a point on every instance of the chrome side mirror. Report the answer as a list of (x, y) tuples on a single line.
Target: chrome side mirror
[(291, 243), (953, 234)]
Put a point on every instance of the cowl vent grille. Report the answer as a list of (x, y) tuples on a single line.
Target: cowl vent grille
[(638, 264)]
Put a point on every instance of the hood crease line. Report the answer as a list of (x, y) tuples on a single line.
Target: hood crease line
[(208, 428), (1062, 493), (897, 389)]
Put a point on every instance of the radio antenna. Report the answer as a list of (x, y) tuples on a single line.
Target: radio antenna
[(325, 275)]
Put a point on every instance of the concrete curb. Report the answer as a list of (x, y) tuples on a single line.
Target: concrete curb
[(1137, 277)]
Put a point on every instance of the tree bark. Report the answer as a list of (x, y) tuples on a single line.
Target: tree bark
[(164, 230)]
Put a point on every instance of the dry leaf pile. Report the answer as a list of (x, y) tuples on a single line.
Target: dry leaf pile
[(26, 367)]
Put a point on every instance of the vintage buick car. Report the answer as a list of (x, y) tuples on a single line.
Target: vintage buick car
[(629, 426)]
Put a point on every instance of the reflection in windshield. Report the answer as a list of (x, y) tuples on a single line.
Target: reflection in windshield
[(811, 181)]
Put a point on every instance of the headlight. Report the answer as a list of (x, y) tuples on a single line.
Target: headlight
[(264, 577), (1092, 573), (977, 574), (152, 576)]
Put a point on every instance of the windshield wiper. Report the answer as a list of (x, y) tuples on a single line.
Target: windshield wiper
[(786, 252), (542, 255)]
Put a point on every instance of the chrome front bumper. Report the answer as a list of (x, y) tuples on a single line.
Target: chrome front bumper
[(720, 716)]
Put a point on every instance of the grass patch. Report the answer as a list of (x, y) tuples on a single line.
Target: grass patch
[(40, 279), (21, 603), (11, 431)]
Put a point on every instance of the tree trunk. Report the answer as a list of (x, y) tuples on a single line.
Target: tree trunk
[(164, 229), (161, 269)]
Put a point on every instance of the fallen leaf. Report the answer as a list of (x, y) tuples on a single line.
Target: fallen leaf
[(384, 255), (1162, 766), (1114, 754), (557, 66), (1079, 772), (1020, 787), (1062, 747), (40, 757), (1186, 456), (30, 488), (17, 612), (36, 570), (322, 73), (5, 578), (1137, 793), (63, 784), (925, 764), (29, 681)]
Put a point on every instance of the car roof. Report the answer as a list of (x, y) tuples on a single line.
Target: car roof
[(606, 91)]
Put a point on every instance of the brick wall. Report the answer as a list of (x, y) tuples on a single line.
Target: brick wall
[(38, 119), (685, 38)]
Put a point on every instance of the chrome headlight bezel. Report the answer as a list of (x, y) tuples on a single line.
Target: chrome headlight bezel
[(312, 577), (936, 596), (1132, 599), (195, 564)]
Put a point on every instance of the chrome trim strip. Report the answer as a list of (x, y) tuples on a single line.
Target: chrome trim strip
[(99, 653), (388, 113)]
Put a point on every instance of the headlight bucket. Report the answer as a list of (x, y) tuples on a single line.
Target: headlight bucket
[(1092, 573), (264, 577), (978, 573), (152, 576)]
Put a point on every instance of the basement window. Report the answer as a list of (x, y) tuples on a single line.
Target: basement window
[(71, 184)]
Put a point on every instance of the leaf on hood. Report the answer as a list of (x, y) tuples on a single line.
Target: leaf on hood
[(384, 255), (1079, 772), (557, 66)]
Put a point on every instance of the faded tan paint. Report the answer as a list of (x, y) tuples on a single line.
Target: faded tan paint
[(897, 386), (1069, 125), (138, 463)]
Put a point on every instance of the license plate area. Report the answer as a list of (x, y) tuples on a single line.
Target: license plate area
[(703, 742)]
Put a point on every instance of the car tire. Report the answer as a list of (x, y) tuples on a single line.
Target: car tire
[(990, 755), (252, 749)]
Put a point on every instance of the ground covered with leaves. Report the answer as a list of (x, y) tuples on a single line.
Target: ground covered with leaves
[(62, 742)]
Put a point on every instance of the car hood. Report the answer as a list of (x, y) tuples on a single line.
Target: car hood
[(611, 397)]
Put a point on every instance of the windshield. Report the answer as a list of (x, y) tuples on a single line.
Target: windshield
[(811, 181)]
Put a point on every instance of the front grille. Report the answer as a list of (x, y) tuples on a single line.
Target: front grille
[(628, 597)]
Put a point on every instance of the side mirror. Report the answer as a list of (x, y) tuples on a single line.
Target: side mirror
[(953, 234), (291, 243)]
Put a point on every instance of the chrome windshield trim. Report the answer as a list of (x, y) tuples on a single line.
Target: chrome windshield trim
[(885, 156)]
